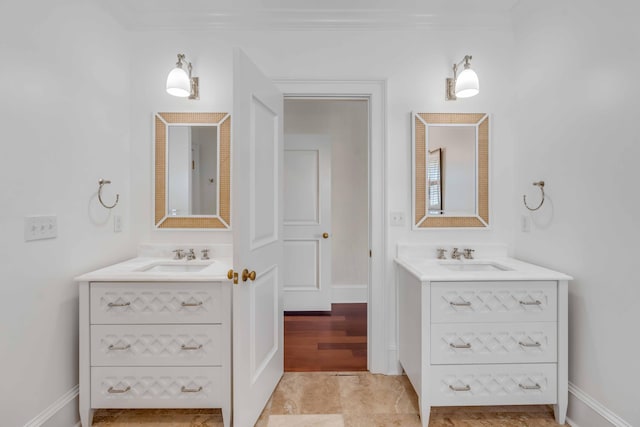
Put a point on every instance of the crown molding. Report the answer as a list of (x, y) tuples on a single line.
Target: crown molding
[(302, 20)]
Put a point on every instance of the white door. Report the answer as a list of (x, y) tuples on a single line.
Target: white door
[(258, 357), (307, 223)]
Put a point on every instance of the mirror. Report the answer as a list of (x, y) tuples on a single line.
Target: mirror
[(192, 170), (451, 170)]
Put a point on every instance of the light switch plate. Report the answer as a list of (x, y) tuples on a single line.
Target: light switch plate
[(40, 227), (397, 219)]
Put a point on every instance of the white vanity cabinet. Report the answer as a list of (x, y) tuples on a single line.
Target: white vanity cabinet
[(484, 341), (163, 344)]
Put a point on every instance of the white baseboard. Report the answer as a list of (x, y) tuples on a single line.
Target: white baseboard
[(349, 293), (601, 411), (571, 422), (393, 364), (54, 408)]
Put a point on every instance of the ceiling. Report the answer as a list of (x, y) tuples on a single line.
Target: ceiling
[(308, 14)]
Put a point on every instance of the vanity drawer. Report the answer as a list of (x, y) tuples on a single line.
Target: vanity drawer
[(144, 303), (157, 387), (157, 345), (462, 385), (466, 343), (517, 301)]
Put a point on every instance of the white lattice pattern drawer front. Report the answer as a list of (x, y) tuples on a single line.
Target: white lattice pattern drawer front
[(462, 343), (156, 387), (129, 303), (157, 345), (493, 302), (460, 385)]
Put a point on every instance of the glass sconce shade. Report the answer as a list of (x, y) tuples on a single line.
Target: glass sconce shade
[(467, 84), (178, 83)]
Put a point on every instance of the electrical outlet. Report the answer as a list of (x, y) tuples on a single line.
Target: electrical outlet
[(40, 227), (525, 224), (117, 223), (397, 219)]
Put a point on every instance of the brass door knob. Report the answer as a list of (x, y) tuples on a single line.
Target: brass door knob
[(232, 275), (246, 274), (325, 235)]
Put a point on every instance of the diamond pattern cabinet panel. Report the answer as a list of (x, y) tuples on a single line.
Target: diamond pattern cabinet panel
[(493, 384), (156, 387), (525, 301), (457, 343), (146, 303), (151, 345)]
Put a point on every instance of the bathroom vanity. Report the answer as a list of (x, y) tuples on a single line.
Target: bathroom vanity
[(485, 331), (155, 333)]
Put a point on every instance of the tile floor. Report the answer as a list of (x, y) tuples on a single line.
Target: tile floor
[(359, 399)]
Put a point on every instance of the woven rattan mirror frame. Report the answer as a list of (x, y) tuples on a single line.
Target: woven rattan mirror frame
[(161, 218), (421, 217)]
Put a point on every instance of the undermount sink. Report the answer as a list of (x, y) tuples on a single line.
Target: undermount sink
[(475, 266), (174, 268)]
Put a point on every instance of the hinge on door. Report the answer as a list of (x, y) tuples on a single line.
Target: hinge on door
[(369, 253)]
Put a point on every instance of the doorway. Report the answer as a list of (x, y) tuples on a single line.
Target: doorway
[(326, 233)]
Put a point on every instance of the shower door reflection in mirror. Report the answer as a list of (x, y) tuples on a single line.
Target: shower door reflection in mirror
[(192, 170)]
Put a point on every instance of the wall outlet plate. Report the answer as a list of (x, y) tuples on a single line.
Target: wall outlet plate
[(396, 219), (117, 223), (40, 227), (525, 224)]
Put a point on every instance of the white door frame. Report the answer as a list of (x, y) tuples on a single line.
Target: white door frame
[(375, 92)]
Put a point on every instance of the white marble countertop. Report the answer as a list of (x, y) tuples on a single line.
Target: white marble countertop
[(430, 269), (133, 271)]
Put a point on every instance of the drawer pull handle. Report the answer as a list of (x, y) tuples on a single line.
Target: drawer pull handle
[(530, 387), (191, 390), (192, 304), (122, 347), (536, 302), (116, 391), (460, 304), (465, 345), (465, 388), (119, 304), (195, 347), (530, 344)]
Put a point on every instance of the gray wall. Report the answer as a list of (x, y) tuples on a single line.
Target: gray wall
[(579, 99)]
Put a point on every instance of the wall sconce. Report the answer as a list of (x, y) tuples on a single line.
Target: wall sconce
[(181, 84), (464, 85)]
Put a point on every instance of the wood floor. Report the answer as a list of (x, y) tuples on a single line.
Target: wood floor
[(326, 341)]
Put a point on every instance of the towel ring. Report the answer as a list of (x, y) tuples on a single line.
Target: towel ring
[(102, 182), (524, 198)]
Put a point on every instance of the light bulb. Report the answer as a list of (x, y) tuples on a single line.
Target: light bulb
[(467, 84), (178, 83)]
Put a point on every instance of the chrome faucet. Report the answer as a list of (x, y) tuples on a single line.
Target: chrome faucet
[(179, 254), (441, 254), (191, 255), (455, 254), (205, 254), (468, 253)]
